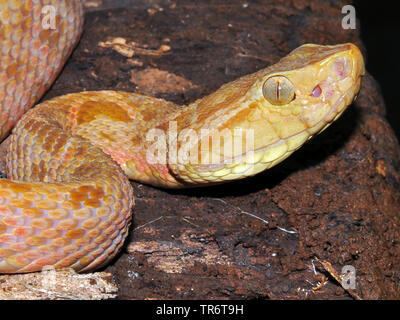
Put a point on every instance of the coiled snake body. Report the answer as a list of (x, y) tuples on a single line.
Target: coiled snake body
[(68, 200)]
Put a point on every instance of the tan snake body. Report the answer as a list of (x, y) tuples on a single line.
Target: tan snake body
[(68, 200)]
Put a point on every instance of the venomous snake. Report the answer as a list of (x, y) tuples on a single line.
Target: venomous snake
[(68, 199)]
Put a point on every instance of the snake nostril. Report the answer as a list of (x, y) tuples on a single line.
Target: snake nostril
[(316, 91)]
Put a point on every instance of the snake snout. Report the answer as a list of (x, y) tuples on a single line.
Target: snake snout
[(347, 69)]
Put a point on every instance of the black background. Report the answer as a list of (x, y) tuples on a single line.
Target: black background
[(380, 32)]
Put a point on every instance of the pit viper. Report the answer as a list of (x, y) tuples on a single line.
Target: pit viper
[(68, 201)]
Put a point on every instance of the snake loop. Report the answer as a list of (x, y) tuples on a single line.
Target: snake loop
[(68, 202)]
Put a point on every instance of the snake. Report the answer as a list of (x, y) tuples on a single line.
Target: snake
[(68, 201)]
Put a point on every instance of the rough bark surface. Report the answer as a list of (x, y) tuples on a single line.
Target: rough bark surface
[(284, 234), (64, 284)]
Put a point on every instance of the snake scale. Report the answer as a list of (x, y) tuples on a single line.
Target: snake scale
[(67, 201)]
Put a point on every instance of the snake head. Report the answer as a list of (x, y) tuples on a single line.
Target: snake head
[(273, 112), (309, 88)]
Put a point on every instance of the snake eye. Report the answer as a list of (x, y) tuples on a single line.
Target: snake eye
[(278, 90)]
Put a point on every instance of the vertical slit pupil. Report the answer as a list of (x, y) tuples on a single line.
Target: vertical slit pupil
[(278, 88)]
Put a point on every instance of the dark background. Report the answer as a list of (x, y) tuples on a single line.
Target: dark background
[(380, 32)]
